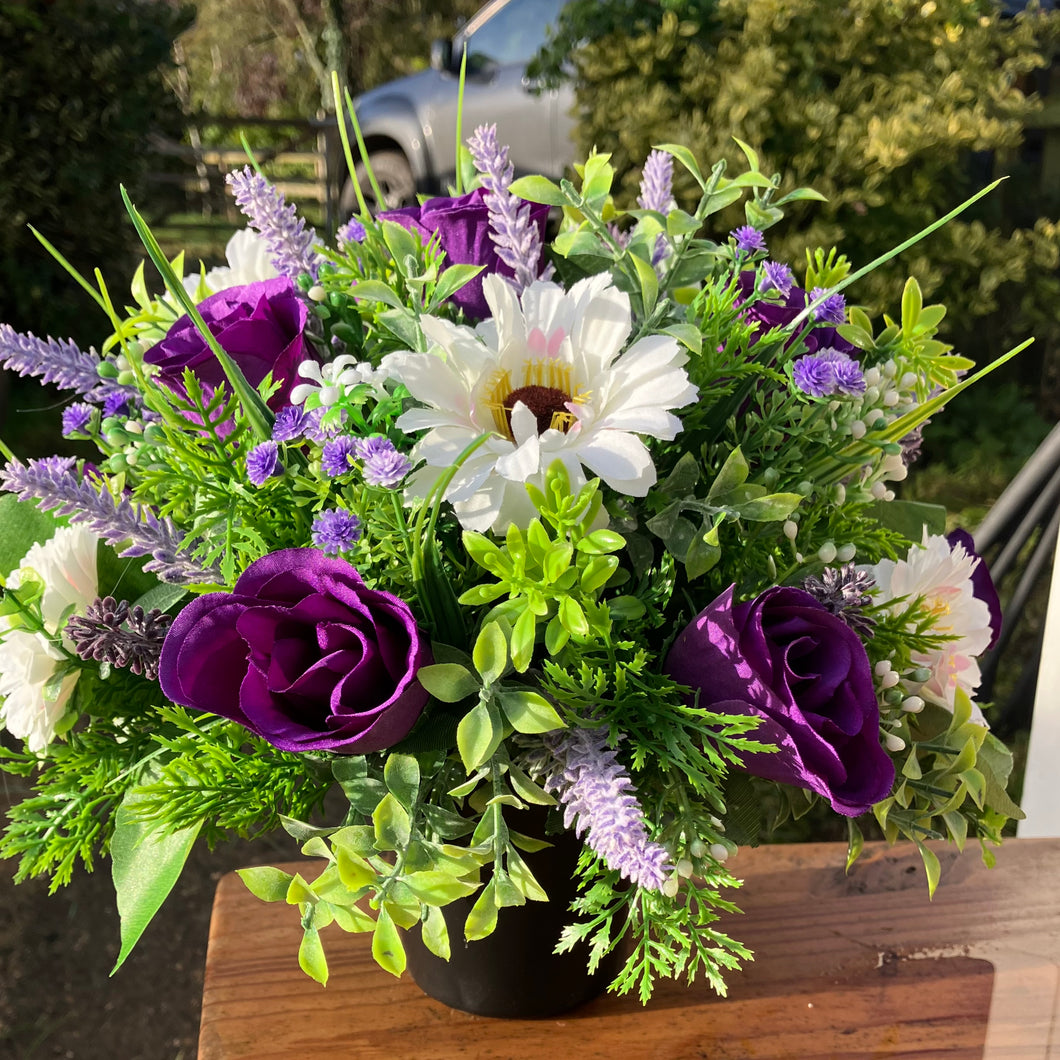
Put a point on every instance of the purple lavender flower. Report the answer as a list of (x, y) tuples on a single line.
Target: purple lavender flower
[(748, 239), (911, 444), (111, 631), (52, 483), (56, 361), (586, 777), (290, 423), (516, 238), (338, 455), (776, 276), (76, 418), (336, 530), (351, 232), (845, 593), (833, 310), (846, 372), (656, 183), (263, 461), (284, 232), (384, 465)]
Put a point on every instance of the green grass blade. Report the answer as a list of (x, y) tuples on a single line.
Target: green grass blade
[(379, 201), (69, 268), (344, 136), (460, 119)]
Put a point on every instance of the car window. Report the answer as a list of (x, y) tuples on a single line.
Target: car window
[(513, 35)]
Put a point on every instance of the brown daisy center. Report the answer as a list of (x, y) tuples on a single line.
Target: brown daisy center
[(547, 403)]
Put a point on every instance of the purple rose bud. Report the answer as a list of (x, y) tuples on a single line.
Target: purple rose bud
[(260, 326), (982, 584), (302, 654), (785, 659), (462, 225)]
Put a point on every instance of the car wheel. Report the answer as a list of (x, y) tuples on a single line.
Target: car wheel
[(395, 180)]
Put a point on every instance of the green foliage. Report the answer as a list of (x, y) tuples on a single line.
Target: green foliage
[(880, 106), (83, 83)]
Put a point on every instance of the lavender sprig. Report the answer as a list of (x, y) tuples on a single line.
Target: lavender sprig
[(585, 776), (515, 237), (52, 483), (656, 193), (57, 361), (285, 233)]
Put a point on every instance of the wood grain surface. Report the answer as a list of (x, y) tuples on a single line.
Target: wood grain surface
[(847, 966)]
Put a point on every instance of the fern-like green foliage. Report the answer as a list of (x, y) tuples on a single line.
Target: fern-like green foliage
[(893, 110)]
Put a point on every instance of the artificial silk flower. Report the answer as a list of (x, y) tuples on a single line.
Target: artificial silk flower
[(940, 575), (546, 379), (32, 704)]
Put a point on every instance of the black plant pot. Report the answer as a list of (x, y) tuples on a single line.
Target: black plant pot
[(514, 973)]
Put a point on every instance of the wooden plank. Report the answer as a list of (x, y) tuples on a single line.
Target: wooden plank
[(851, 966)]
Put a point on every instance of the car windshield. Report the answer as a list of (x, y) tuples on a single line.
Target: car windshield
[(512, 35)]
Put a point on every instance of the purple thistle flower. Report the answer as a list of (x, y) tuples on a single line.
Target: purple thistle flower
[(846, 372), (337, 456), (284, 232), (56, 361), (116, 403), (912, 443), (289, 424), (52, 483), (336, 530), (384, 465), (812, 376), (748, 239), (845, 592), (76, 418), (515, 237), (586, 777), (351, 232), (776, 276), (263, 461), (833, 310)]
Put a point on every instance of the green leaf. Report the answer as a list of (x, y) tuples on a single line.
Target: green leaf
[(22, 525), (538, 189), (311, 957), (392, 825), (685, 157), (483, 916), (438, 888), (931, 867), (490, 653), (401, 774), (855, 842), (597, 175), (477, 737), (524, 634), (688, 335), (387, 949), (909, 518), (454, 277), (377, 291), (145, 864), (162, 596), (573, 617), (733, 473), (679, 223), (267, 883), (448, 682), (648, 281), (354, 871), (705, 551), (912, 304), (523, 878), (400, 243), (601, 543), (772, 508), (435, 934), (529, 712), (749, 153)]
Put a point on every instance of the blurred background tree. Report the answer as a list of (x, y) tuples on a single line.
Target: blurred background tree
[(895, 110)]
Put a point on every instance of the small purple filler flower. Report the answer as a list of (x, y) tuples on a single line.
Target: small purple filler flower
[(337, 456), (776, 276), (336, 530), (351, 232), (302, 653), (833, 310), (828, 372), (290, 423), (748, 239), (76, 418), (263, 461), (384, 465)]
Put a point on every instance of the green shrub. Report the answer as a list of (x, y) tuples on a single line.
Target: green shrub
[(895, 110), (82, 85)]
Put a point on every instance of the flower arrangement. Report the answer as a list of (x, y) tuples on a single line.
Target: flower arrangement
[(454, 520)]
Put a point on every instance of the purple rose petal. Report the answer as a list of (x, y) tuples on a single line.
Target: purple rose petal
[(983, 587)]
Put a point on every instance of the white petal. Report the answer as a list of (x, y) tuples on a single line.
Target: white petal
[(524, 423), (622, 460), (523, 462), (601, 326), (505, 310), (432, 381)]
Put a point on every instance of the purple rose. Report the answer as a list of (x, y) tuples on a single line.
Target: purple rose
[(784, 658), (774, 314), (462, 224), (982, 584), (301, 653), (260, 326)]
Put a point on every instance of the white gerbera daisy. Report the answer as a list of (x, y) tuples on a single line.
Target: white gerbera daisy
[(547, 380), (942, 576), (31, 704)]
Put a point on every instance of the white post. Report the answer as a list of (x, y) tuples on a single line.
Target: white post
[(1041, 784)]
